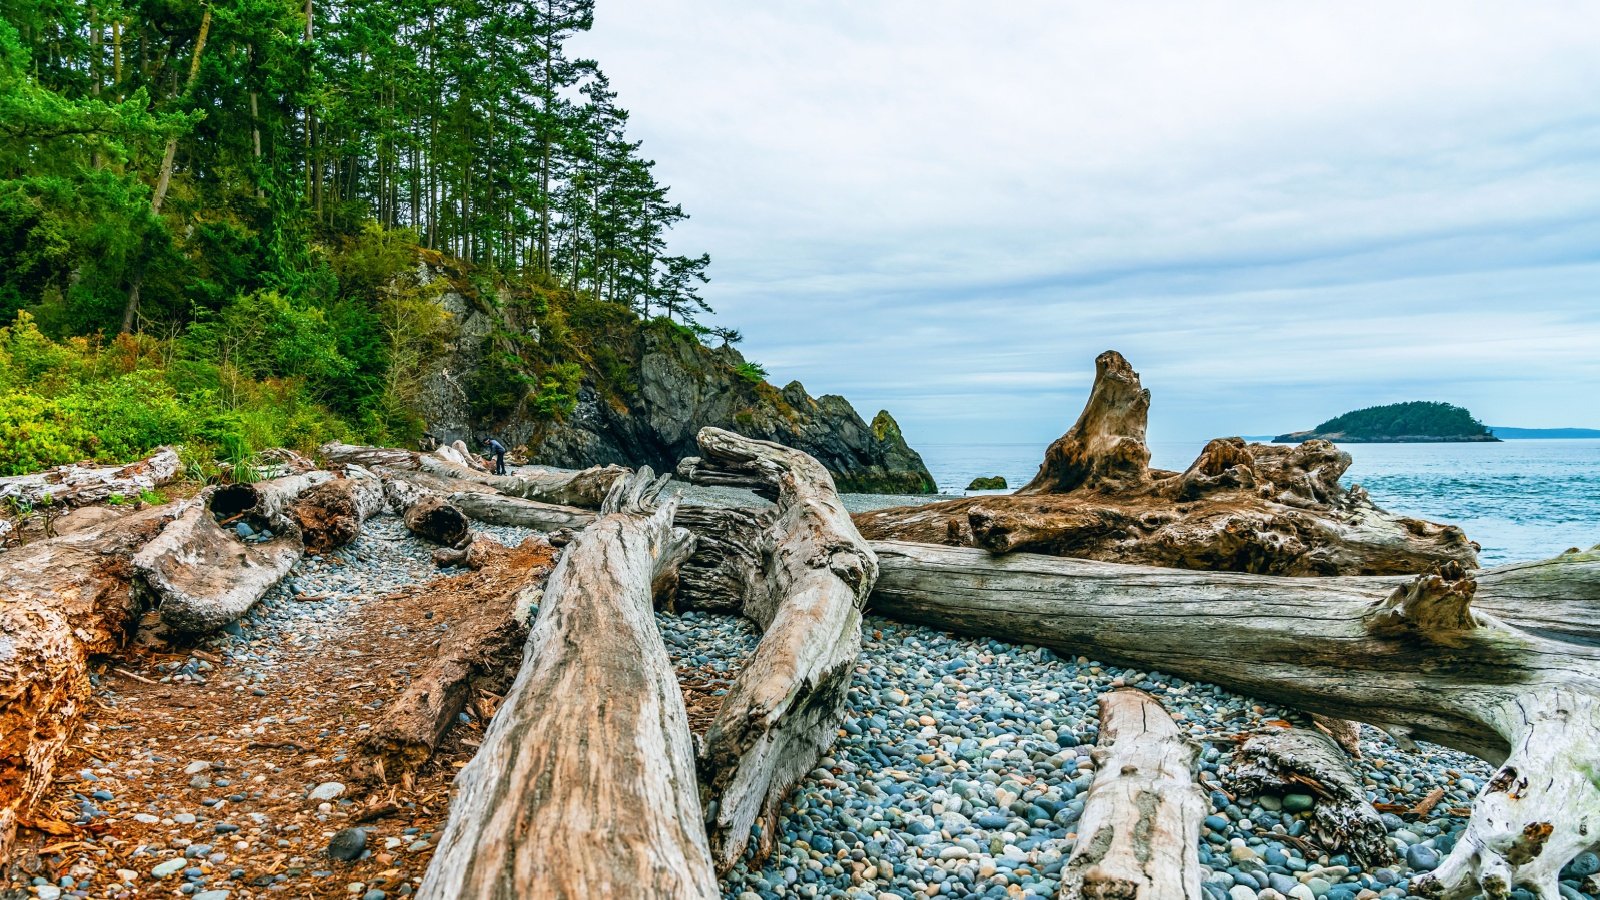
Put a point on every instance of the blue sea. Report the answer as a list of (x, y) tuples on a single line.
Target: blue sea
[(1520, 500)]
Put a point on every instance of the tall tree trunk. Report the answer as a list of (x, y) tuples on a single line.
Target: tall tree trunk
[(130, 311)]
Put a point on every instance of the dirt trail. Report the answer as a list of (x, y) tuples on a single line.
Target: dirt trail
[(213, 766)]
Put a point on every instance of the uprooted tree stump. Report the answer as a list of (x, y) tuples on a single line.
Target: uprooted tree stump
[(584, 785), (803, 573), (330, 515), (1418, 658), (1261, 508)]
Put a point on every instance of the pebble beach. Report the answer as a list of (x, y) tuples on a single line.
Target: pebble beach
[(960, 771)]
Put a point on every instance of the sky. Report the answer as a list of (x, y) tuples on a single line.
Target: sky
[(1277, 211)]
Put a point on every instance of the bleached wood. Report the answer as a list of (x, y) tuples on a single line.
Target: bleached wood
[(584, 785), (1525, 701), (584, 488), (77, 484), (497, 509), (62, 601), (784, 709), (1139, 833), (203, 576)]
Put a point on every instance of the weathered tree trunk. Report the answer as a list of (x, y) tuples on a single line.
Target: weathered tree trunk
[(728, 559), (584, 785), (202, 575), (497, 509), (1139, 834), (1259, 508), (784, 709), (77, 484), (1306, 761), (62, 601), (426, 514), (330, 515), (584, 488), (486, 641), (1412, 657)]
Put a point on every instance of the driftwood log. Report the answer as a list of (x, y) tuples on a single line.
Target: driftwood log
[(78, 484), (1139, 835), (584, 785), (1259, 508), (1306, 761), (62, 601), (330, 515), (1418, 657), (783, 711), (426, 514), (584, 488), (499, 509), (485, 642), (202, 575)]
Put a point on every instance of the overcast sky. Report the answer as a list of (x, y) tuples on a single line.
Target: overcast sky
[(1276, 211)]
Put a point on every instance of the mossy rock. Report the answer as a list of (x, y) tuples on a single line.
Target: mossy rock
[(990, 483)]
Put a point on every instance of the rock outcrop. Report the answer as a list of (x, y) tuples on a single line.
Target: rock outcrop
[(678, 386)]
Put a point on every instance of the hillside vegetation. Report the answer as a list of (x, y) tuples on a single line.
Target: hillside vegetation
[(227, 223)]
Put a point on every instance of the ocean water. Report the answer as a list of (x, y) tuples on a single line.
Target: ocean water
[(1519, 500)]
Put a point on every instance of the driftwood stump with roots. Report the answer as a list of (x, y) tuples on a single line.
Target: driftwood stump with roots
[(802, 574), (1259, 508), (1420, 658)]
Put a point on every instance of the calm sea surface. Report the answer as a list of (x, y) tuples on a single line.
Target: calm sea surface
[(1518, 499)]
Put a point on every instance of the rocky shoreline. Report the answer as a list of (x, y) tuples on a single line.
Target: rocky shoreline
[(959, 771)]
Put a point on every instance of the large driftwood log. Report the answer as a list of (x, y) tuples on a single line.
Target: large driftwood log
[(1139, 834), (1303, 760), (584, 785), (584, 488), (784, 710), (486, 642), (330, 515), (62, 601), (202, 575), (1242, 507), (77, 484), (497, 509), (1419, 658), (426, 514)]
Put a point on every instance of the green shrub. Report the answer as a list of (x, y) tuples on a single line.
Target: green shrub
[(755, 373)]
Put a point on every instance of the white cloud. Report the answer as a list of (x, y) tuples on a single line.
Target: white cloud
[(1276, 210)]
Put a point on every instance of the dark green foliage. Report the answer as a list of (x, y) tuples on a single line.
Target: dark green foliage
[(755, 373), (1416, 418), (313, 165)]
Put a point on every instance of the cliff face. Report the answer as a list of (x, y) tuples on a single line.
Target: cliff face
[(683, 386), (677, 386)]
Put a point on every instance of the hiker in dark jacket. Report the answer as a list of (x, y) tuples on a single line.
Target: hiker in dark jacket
[(499, 451)]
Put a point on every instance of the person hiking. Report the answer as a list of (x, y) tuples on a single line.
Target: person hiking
[(499, 451)]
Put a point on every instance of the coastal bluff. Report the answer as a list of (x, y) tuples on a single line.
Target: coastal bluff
[(659, 388), (1416, 422)]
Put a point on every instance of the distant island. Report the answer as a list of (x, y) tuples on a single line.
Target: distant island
[(1419, 421), (1535, 434)]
